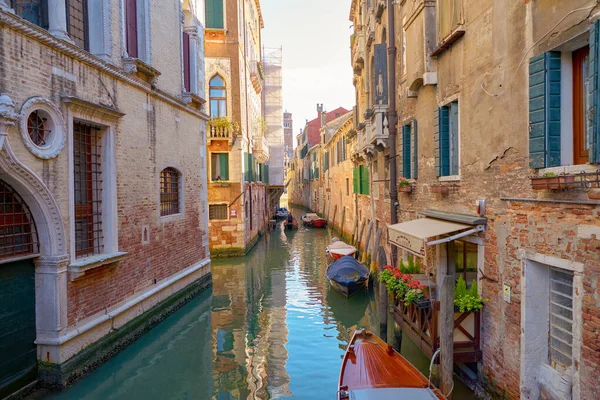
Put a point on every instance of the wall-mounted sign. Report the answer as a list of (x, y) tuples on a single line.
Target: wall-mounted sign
[(233, 213), (507, 292)]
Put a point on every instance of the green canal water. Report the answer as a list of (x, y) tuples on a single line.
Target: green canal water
[(270, 327)]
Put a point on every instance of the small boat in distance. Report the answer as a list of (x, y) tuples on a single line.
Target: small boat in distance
[(337, 249), (293, 224), (281, 213), (372, 369), (313, 220), (347, 275)]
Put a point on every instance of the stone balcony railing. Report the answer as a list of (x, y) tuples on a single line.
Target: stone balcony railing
[(260, 149), (379, 128), (216, 132)]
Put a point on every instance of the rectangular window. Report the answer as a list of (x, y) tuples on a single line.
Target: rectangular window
[(34, 11), (449, 16), (87, 189), (561, 318), (448, 140), (406, 170), (361, 180), (217, 211), (169, 192), (214, 14), (186, 62), (580, 90), (347, 186), (131, 28), (77, 24), (466, 261), (219, 166)]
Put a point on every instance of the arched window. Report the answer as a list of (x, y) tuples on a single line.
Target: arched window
[(18, 236), (218, 97), (170, 187)]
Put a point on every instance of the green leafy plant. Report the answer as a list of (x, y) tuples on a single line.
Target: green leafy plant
[(467, 299), (402, 285), (550, 175), (403, 182), (411, 267)]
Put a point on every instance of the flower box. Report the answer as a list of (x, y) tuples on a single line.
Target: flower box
[(405, 189), (422, 304), (553, 182)]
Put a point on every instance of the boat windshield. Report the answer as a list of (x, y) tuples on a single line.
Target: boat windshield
[(393, 394)]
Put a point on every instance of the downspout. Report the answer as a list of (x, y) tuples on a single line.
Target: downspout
[(392, 118)]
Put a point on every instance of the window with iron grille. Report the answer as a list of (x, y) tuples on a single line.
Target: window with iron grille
[(77, 25), (169, 192), (18, 235), (217, 211), (38, 128), (561, 318), (34, 11), (87, 155)]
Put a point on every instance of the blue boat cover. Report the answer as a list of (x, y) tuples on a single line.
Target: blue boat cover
[(347, 270)]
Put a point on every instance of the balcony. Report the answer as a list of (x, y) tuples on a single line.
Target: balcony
[(260, 149), (257, 76), (357, 48), (370, 29), (220, 129), (379, 132)]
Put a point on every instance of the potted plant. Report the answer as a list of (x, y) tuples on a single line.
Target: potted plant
[(547, 181), (467, 299), (404, 185), (441, 189), (403, 286), (368, 113), (221, 182)]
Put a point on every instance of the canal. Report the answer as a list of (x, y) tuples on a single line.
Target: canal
[(270, 327)]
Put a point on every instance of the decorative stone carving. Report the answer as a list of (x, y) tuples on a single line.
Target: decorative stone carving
[(7, 116), (56, 140)]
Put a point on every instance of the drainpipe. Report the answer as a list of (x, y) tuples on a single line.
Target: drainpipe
[(392, 119)]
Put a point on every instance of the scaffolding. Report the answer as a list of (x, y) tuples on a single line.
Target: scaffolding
[(273, 113)]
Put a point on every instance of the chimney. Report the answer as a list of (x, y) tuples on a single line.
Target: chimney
[(323, 118)]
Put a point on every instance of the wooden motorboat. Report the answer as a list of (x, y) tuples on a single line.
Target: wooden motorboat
[(347, 275), (313, 220), (372, 369), (338, 249), (293, 224)]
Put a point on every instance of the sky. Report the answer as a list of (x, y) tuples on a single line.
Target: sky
[(315, 36)]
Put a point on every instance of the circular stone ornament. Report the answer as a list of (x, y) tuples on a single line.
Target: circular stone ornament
[(42, 128)]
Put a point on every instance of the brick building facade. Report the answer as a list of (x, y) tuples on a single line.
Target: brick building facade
[(103, 179), (237, 148)]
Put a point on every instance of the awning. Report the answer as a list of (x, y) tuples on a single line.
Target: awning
[(414, 235)]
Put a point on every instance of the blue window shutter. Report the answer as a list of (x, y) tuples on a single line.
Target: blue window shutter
[(592, 114), (537, 111), (453, 132), (544, 110), (406, 151), (553, 110), (436, 141), (415, 158), (444, 141)]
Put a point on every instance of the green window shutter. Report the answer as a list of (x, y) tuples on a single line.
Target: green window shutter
[(356, 179), (444, 136), (553, 112), (453, 139), (415, 158), (364, 180), (406, 151), (544, 110), (214, 14), (436, 140), (592, 116), (224, 166), (246, 168)]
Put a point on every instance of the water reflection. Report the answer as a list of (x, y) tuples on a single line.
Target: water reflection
[(271, 328)]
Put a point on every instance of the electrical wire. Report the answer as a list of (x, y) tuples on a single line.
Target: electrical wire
[(533, 45)]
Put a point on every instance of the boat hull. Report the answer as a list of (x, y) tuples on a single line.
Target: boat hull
[(372, 369), (337, 256), (348, 289)]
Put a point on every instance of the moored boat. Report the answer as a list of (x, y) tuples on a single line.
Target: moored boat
[(338, 249), (372, 369), (281, 213), (313, 220), (347, 275), (293, 224)]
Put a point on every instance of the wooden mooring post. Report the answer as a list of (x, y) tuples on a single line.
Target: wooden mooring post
[(447, 268)]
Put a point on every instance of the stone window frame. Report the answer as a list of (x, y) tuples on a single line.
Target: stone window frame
[(181, 214), (144, 36), (106, 119), (544, 372), (210, 165), (454, 177), (57, 126), (219, 204), (176, 174)]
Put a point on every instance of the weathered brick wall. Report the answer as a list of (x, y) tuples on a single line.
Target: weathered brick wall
[(152, 135)]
